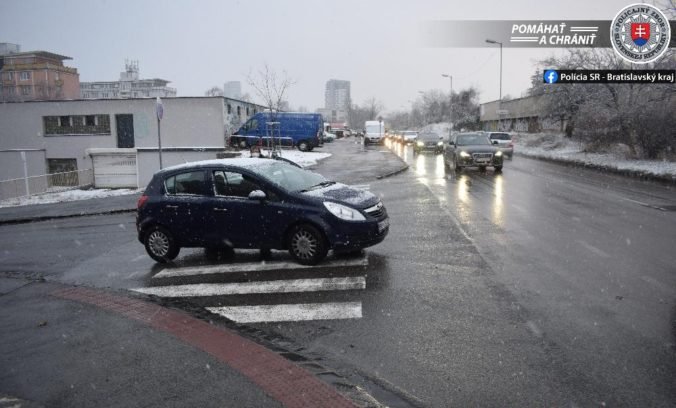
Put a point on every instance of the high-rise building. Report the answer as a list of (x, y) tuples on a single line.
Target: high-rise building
[(129, 86), (36, 75), (337, 95), (232, 89)]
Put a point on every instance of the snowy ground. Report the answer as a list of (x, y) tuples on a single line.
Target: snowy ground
[(304, 159), (64, 196), (558, 147)]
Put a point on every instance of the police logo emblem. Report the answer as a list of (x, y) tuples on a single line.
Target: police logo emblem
[(640, 33)]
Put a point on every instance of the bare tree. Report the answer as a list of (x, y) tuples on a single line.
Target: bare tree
[(214, 91), (271, 88)]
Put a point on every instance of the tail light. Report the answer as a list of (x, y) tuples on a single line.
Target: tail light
[(141, 201), (511, 144)]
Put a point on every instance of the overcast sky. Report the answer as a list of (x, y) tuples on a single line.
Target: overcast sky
[(199, 44)]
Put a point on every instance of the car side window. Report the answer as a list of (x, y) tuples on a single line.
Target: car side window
[(190, 183), (233, 184)]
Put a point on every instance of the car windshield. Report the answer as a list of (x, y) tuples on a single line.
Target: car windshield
[(428, 137), (472, 139), (288, 177)]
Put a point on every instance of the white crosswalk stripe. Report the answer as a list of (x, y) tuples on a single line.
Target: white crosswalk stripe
[(290, 313), (309, 298), (248, 288), (255, 266)]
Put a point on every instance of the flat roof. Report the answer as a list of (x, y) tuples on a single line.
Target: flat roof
[(45, 54)]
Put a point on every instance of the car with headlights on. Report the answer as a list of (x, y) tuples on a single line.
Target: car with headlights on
[(472, 150), (428, 141), (409, 136), (504, 141), (255, 203)]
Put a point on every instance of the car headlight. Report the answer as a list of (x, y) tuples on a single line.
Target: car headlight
[(464, 154), (344, 212), (420, 144), (498, 154), (440, 143)]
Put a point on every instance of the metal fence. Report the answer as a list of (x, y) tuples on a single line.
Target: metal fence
[(46, 183)]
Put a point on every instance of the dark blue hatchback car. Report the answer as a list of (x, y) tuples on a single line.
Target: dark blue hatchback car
[(255, 203)]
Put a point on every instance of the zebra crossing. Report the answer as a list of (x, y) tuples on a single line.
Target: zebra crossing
[(258, 292)]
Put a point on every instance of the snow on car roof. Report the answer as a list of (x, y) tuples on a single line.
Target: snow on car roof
[(240, 162)]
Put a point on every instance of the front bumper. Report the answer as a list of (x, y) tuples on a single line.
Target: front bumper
[(480, 160)]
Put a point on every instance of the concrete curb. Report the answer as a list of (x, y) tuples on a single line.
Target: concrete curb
[(601, 168), (56, 217), (393, 173)]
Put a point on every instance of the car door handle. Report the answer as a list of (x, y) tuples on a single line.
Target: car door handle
[(220, 209), (172, 207)]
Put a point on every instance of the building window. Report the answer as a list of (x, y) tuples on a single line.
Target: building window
[(229, 109), (26, 90), (76, 125), (11, 91), (10, 76), (247, 111), (239, 111), (25, 76)]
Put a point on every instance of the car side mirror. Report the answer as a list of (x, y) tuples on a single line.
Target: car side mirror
[(257, 195)]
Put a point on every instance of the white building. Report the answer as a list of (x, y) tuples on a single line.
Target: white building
[(129, 86), (116, 138), (232, 89)]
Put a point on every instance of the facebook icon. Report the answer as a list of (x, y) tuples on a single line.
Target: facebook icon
[(551, 76)]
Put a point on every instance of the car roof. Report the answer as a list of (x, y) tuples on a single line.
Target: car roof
[(237, 162)]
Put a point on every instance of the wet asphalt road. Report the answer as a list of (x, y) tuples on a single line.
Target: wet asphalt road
[(540, 286)]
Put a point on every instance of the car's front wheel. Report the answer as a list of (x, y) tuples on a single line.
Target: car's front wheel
[(303, 146), (307, 244), (160, 244), (498, 169)]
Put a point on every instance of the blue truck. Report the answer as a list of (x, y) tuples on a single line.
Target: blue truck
[(301, 130)]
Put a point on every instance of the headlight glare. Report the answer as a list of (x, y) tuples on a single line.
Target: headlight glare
[(420, 144), (344, 212), (498, 154), (464, 154)]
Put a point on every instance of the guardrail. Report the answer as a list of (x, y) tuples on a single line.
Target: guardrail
[(46, 183)]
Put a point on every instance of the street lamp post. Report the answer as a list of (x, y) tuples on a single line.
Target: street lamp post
[(450, 131), (500, 101)]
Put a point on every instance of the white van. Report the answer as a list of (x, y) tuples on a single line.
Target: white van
[(375, 131)]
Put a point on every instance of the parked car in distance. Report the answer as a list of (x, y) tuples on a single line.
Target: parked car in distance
[(255, 203), (429, 141), (328, 137), (409, 136), (504, 141), (302, 130), (472, 150)]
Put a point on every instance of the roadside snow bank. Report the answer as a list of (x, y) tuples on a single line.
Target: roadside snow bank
[(64, 196), (560, 148)]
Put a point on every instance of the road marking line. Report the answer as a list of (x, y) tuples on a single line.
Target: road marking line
[(290, 313), (254, 267), (593, 249), (257, 287)]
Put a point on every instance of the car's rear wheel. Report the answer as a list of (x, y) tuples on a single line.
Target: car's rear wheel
[(303, 146), (160, 244), (307, 244)]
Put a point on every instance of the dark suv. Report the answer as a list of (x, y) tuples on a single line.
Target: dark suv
[(255, 203)]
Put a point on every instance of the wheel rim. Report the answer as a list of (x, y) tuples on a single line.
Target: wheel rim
[(304, 244), (303, 146), (158, 243), (242, 144)]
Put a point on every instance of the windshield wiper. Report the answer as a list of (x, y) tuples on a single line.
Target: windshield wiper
[(316, 186)]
